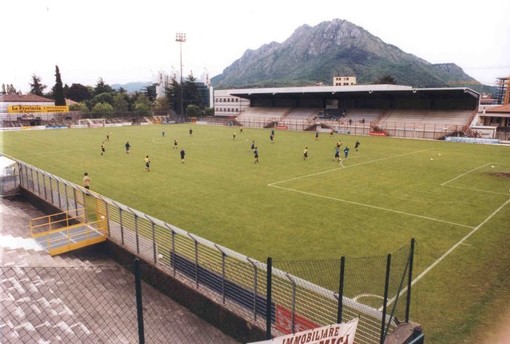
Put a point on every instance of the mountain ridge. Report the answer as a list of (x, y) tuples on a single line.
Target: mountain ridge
[(335, 48)]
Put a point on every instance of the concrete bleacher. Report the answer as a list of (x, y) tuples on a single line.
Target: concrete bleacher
[(300, 118), (43, 297), (259, 117), (302, 113), (426, 117), (362, 115)]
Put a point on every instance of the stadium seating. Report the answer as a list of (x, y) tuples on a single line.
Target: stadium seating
[(260, 117)]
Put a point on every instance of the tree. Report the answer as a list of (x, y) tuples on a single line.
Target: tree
[(8, 89), (78, 93), (102, 110), (58, 89), (208, 111), (101, 87), (162, 104), (173, 94), (106, 97), (386, 80), (150, 92), (191, 94), (36, 87), (120, 103), (193, 110), (79, 107), (142, 104)]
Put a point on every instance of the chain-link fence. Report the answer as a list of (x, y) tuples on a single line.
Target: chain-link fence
[(93, 304), (374, 282), (431, 131), (296, 300)]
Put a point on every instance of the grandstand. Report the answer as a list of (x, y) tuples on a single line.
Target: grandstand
[(300, 118), (261, 117), (362, 109)]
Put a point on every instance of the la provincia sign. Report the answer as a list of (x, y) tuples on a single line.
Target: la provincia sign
[(342, 333)]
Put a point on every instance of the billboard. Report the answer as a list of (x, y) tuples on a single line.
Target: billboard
[(36, 108), (342, 333)]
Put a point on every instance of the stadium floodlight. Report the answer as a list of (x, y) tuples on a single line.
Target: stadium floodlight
[(181, 38)]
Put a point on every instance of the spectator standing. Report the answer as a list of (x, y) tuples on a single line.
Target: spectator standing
[(86, 181)]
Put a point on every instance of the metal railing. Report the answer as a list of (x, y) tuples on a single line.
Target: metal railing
[(234, 281)]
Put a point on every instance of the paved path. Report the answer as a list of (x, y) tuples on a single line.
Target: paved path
[(80, 297)]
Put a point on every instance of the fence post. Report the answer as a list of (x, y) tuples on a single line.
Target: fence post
[(341, 291), (410, 280), (139, 307), (385, 302), (268, 296)]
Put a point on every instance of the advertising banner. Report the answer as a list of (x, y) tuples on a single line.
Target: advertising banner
[(342, 333), (36, 108)]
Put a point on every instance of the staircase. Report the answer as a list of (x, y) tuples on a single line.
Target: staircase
[(67, 231)]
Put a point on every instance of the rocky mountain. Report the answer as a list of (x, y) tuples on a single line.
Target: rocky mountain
[(335, 48)]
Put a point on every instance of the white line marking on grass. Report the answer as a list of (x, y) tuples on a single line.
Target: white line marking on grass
[(370, 206), (460, 242), (335, 169), (477, 190), (447, 253), (463, 174), (355, 298)]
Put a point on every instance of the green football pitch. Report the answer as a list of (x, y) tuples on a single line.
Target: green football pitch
[(452, 198)]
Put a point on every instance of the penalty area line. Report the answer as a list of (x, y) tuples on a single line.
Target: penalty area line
[(447, 253), (343, 166), (463, 174), (477, 190), (371, 206)]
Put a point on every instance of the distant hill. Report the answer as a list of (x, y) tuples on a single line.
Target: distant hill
[(336, 48), (132, 86)]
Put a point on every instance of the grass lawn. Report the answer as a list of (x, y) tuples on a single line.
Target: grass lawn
[(452, 198)]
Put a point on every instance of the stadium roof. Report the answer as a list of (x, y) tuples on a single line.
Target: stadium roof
[(499, 109), (360, 89)]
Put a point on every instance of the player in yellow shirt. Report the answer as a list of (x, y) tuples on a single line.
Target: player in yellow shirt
[(147, 163)]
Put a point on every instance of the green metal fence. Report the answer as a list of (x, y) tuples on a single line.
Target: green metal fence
[(302, 295)]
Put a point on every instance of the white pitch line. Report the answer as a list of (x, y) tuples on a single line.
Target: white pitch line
[(357, 297), (460, 242), (477, 190), (339, 168), (447, 253), (463, 174), (371, 206)]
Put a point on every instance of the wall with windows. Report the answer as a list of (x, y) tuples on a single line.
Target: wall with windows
[(344, 80), (226, 104)]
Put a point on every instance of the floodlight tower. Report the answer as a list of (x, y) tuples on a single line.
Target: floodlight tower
[(181, 38)]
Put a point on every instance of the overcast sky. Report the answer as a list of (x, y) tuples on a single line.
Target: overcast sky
[(123, 41)]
